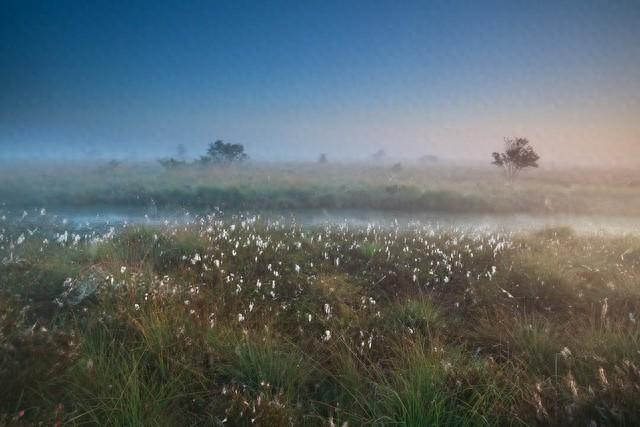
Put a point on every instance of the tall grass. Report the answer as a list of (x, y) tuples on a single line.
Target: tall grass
[(256, 324)]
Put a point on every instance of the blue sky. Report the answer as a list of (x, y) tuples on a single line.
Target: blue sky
[(292, 79)]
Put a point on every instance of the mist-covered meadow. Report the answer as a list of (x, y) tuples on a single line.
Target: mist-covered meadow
[(319, 213), (235, 317), (409, 186)]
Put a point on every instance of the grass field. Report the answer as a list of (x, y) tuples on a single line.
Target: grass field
[(242, 323), (434, 187)]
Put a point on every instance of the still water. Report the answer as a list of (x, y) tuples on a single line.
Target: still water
[(99, 218)]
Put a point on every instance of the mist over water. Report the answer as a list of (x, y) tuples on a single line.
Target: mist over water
[(102, 219)]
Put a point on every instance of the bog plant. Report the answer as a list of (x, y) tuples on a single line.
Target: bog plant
[(243, 322)]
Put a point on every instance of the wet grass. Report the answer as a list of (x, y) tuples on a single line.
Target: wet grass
[(250, 324)]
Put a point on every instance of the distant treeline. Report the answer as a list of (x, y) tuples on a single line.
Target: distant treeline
[(219, 153)]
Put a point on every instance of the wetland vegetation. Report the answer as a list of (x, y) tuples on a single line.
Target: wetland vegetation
[(242, 322)]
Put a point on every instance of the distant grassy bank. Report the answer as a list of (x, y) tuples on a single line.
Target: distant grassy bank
[(244, 324), (281, 186)]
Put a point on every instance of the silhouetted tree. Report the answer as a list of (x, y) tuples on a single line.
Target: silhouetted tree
[(397, 167), (203, 160), (323, 158), (224, 153), (518, 154), (171, 163)]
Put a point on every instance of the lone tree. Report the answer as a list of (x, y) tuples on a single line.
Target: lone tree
[(224, 153), (323, 158), (518, 154)]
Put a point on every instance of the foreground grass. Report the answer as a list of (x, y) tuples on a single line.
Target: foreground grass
[(251, 324)]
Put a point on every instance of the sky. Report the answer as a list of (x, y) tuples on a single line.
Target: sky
[(292, 79)]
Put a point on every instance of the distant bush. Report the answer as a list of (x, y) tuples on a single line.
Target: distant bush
[(224, 153), (217, 153), (172, 163)]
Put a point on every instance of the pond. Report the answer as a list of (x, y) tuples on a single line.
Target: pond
[(98, 218)]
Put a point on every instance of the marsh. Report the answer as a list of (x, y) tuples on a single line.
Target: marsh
[(320, 213)]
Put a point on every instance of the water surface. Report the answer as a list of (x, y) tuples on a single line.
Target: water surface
[(103, 218)]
